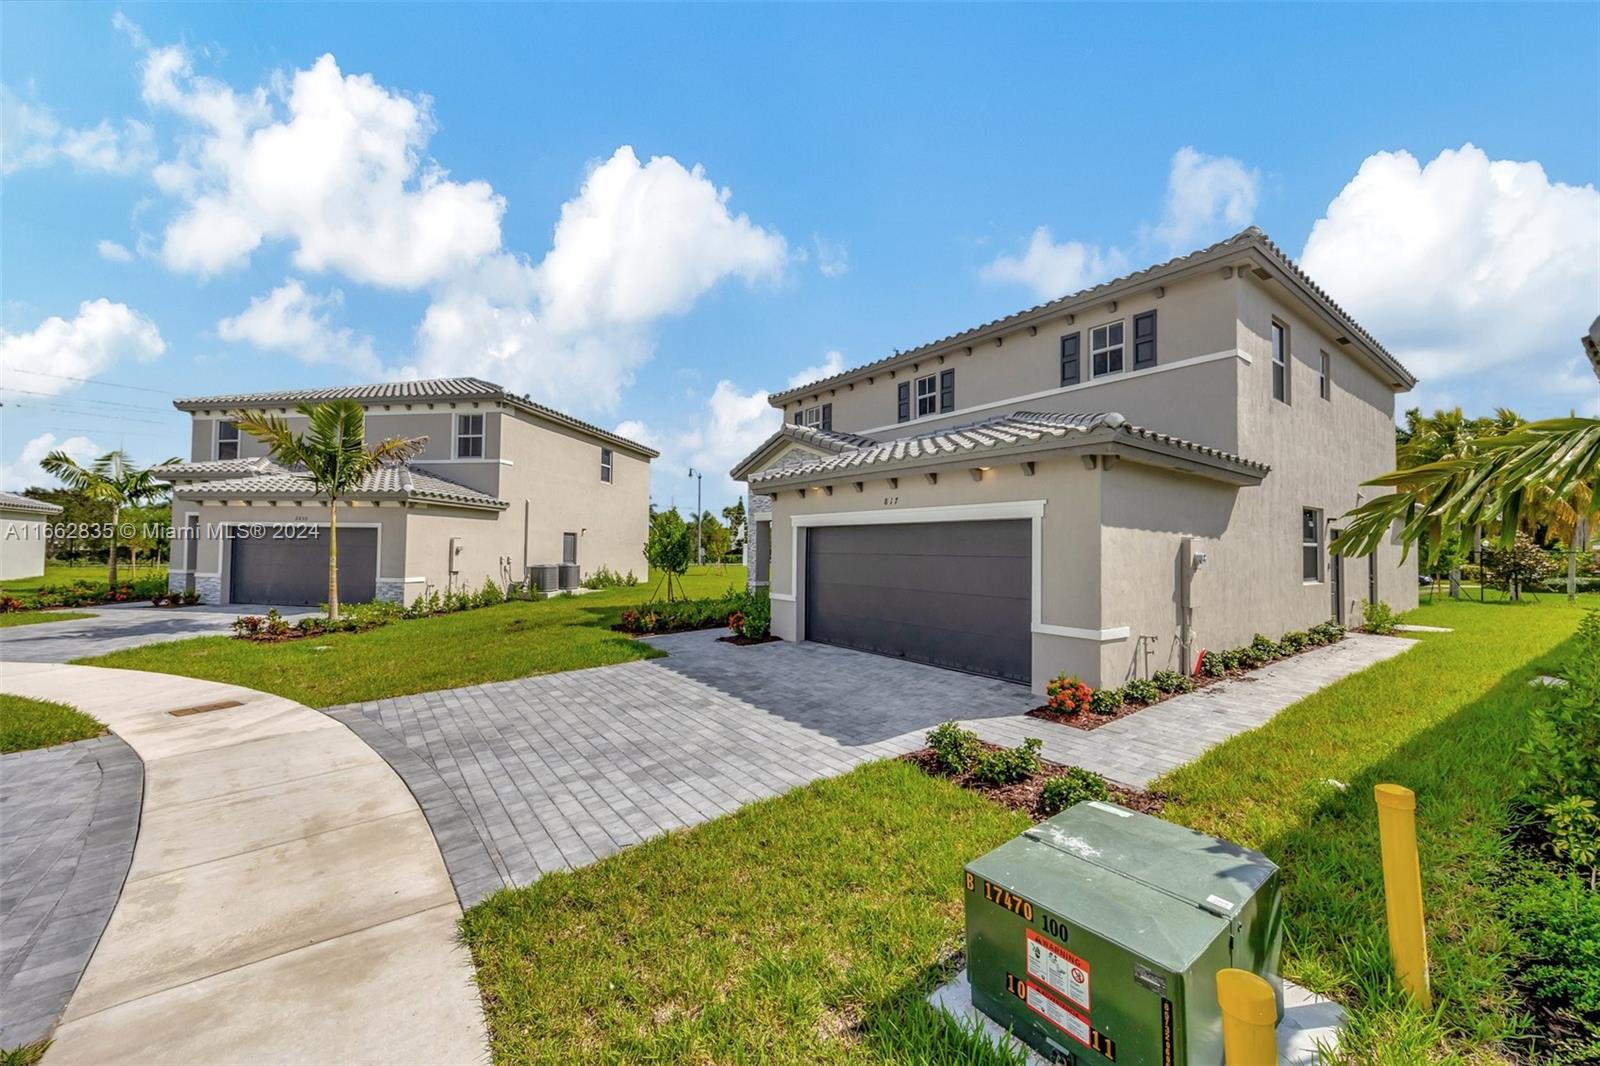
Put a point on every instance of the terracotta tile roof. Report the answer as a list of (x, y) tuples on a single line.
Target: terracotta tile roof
[(431, 389), (1251, 237), (218, 468), (812, 436), (1018, 430), (396, 482), (12, 501)]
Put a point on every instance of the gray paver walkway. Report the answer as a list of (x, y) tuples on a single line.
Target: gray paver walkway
[(70, 815), (520, 778), (123, 625)]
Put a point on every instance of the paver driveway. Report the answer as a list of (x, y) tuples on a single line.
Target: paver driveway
[(519, 778), (123, 625)]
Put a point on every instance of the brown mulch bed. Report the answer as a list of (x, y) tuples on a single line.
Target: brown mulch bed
[(1024, 795), (745, 642)]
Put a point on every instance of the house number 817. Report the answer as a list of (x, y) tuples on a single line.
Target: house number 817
[(890, 501)]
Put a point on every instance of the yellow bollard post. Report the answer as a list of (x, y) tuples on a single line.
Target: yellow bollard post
[(1402, 889), (1249, 1019)]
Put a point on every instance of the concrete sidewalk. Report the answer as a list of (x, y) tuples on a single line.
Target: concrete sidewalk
[(286, 902), (115, 626)]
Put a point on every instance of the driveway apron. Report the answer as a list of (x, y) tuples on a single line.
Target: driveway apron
[(286, 902)]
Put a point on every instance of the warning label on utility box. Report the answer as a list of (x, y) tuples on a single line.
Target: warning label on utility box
[(1058, 969), (1059, 1015)]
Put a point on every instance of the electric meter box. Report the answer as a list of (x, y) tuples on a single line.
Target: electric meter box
[(1096, 936)]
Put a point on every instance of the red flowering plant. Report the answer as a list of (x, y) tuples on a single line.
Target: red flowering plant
[(736, 622), (1067, 695)]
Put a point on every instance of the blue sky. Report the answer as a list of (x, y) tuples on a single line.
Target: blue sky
[(513, 191)]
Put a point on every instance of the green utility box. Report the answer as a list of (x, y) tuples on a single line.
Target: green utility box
[(1096, 936)]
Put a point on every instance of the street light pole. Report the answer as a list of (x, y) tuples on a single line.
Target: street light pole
[(699, 521)]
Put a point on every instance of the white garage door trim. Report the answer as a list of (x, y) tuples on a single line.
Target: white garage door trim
[(966, 512)]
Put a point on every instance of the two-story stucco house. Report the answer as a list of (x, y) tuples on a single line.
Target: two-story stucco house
[(503, 484), (1106, 484)]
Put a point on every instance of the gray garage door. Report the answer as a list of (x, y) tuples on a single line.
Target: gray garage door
[(953, 594), (294, 569)]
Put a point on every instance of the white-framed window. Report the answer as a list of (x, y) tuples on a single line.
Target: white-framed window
[(1106, 349), (927, 395), (227, 440), (1325, 376), (813, 417), (605, 465), (1311, 546), (1280, 361), (469, 436)]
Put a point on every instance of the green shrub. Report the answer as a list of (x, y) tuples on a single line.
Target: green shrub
[(1329, 632), (751, 617), (1294, 641), (1170, 681), (607, 578), (1008, 765), (83, 594), (1234, 658), (1558, 921), (1377, 618), (954, 749), (1262, 649), (676, 616), (1106, 701), (489, 595), (1073, 786), (1213, 664), (1140, 690)]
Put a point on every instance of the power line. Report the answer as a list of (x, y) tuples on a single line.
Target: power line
[(91, 381)]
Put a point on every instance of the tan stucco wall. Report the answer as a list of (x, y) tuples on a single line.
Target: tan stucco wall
[(211, 561), (1195, 318), (490, 541), (21, 544), (549, 473), (556, 473)]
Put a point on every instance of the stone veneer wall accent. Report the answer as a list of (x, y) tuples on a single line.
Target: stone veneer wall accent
[(392, 590), (209, 586)]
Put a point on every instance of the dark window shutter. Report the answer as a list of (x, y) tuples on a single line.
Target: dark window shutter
[(1144, 340), (903, 414), (947, 390), (827, 416), (1069, 359), (797, 416)]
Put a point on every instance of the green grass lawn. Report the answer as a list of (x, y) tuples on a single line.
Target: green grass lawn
[(421, 655), (803, 929), (1445, 719), (71, 573), (29, 618), (26, 724)]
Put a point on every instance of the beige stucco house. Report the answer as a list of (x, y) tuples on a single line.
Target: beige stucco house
[(1106, 484), (502, 485), (22, 535)]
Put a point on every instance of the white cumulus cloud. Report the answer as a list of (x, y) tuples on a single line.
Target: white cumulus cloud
[(32, 136), (45, 359), (112, 252), (332, 164), (23, 471), (1208, 197), (289, 319), (1463, 264), (1053, 269), (832, 363), (833, 257)]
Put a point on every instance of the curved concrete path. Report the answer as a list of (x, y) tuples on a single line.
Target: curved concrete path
[(286, 902)]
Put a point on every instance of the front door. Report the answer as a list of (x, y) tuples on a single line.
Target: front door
[(1336, 577)]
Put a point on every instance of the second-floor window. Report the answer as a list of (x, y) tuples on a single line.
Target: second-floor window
[(1280, 361), (1325, 380), (819, 417), (1106, 349), (227, 440), (927, 395), (930, 395), (469, 436), (605, 464)]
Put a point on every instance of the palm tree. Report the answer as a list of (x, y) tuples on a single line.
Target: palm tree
[(333, 453), (1554, 464), (110, 479)]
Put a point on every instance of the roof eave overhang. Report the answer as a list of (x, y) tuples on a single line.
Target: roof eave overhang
[(311, 497), (785, 434), (1100, 442), (1023, 319)]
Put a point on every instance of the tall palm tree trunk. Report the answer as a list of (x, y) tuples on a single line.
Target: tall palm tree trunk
[(1579, 542), (116, 516), (333, 561)]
